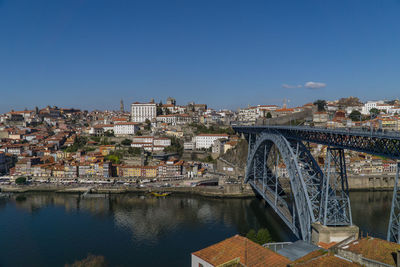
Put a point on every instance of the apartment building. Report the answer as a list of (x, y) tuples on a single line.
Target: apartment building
[(207, 140), (125, 128), (140, 112)]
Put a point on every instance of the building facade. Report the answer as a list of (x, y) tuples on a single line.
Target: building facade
[(140, 112)]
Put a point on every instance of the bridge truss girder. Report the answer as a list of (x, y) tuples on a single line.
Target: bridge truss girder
[(298, 207)]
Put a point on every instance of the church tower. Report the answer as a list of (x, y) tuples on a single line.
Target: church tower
[(122, 106)]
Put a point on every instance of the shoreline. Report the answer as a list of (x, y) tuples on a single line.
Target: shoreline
[(200, 191), (205, 191)]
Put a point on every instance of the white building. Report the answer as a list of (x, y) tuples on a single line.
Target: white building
[(150, 143), (140, 112), (207, 140), (162, 141), (125, 128), (370, 105)]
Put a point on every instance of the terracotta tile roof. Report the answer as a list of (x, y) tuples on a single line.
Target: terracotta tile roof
[(224, 135), (249, 253), (326, 260), (310, 256), (326, 245), (375, 249)]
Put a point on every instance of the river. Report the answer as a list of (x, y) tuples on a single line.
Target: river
[(52, 229)]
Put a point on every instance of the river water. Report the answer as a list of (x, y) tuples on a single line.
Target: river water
[(52, 229)]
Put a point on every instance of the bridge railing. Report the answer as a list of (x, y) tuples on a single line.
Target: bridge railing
[(345, 130)]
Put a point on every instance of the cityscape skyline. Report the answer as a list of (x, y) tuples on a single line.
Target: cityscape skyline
[(90, 54)]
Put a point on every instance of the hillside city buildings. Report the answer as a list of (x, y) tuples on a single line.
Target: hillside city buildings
[(169, 140)]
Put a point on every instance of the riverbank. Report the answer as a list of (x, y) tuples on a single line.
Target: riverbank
[(230, 191)]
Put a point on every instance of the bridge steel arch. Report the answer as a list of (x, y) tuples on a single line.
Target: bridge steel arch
[(299, 205)]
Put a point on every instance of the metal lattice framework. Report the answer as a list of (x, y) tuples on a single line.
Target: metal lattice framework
[(375, 143), (309, 195), (335, 202), (394, 221), (296, 202)]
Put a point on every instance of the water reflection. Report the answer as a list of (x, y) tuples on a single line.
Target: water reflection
[(371, 211), (130, 229), (148, 218)]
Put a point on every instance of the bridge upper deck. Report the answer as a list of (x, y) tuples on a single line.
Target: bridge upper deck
[(381, 143)]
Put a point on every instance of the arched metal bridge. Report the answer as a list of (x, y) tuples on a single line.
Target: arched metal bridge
[(282, 170)]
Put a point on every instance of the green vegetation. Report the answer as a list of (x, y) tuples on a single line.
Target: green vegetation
[(139, 133), (321, 104), (263, 236), (159, 109), (89, 149), (269, 116), (109, 133), (374, 112), (201, 128), (95, 138), (175, 147), (79, 142), (355, 115), (114, 158), (20, 180), (135, 151), (147, 127), (126, 142), (90, 261), (104, 141), (209, 159)]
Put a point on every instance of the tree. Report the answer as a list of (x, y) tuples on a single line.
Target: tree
[(374, 111), (252, 235), (355, 115), (113, 158), (159, 110), (263, 236), (321, 104), (126, 142), (109, 133), (148, 125), (269, 116), (134, 151), (175, 147), (20, 180)]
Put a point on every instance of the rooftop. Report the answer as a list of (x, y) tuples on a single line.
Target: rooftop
[(374, 249), (248, 252)]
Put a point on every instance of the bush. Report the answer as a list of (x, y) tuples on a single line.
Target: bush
[(252, 235), (126, 142), (20, 180), (134, 151), (263, 236)]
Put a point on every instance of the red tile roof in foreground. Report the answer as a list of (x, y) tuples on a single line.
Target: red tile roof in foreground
[(374, 249), (248, 252), (326, 245), (323, 260)]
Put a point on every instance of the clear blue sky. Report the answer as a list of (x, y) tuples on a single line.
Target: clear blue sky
[(91, 53)]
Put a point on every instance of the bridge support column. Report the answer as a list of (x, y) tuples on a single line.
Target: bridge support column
[(328, 234), (335, 207), (394, 221)]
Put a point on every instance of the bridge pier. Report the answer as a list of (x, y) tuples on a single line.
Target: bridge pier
[(328, 234)]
